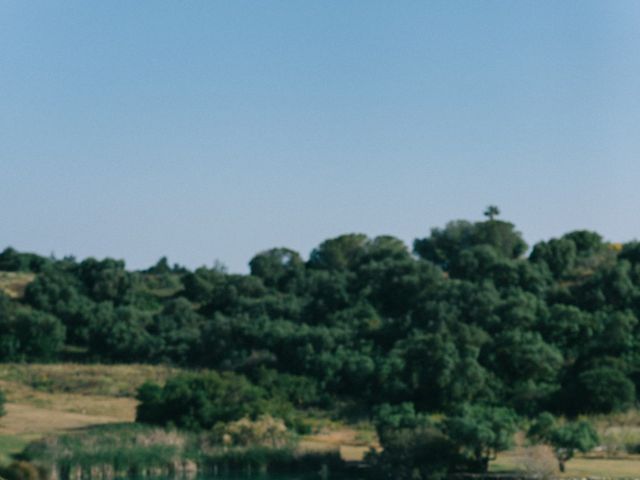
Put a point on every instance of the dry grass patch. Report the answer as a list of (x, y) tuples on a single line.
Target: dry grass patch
[(29, 421), (52, 399), (49, 399), (14, 283), (25, 423), (627, 467), (353, 444), (121, 408), (82, 379), (89, 390)]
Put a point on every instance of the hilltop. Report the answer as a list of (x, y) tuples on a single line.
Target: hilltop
[(467, 323)]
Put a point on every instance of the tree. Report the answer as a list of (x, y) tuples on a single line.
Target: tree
[(413, 447), (14, 261), (438, 374), (300, 391), (279, 268), (528, 366), (444, 246), (200, 400), (58, 291), (481, 432), (559, 255), (569, 329), (420, 453), (340, 253), (27, 334), (491, 212), (502, 236), (176, 332), (389, 418), (603, 390), (200, 284), (160, 268), (120, 334), (586, 242), (106, 280), (565, 439), (40, 335)]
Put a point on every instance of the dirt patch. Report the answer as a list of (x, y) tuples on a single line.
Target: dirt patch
[(351, 443)]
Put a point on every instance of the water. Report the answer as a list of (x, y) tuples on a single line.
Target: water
[(255, 476)]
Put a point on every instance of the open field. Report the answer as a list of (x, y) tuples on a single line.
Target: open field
[(48, 399), (95, 391)]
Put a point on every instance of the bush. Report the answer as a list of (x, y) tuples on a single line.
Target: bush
[(20, 471), (264, 431), (481, 432), (540, 461), (422, 453), (604, 390), (200, 400), (30, 335), (565, 439)]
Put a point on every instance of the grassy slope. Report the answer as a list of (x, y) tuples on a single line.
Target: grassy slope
[(45, 399)]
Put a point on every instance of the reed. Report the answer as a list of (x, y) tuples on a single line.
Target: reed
[(111, 451)]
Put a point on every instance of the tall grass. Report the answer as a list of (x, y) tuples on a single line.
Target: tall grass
[(115, 449), (110, 451)]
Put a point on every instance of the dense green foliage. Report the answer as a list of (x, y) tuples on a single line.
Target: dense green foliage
[(417, 446), (481, 432), (419, 453), (466, 318), (201, 400)]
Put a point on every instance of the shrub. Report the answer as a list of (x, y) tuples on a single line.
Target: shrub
[(422, 453), (565, 439), (264, 431), (200, 400), (604, 390), (481, 432), (20, 471)]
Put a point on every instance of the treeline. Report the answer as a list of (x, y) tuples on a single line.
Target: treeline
[(464, 317)]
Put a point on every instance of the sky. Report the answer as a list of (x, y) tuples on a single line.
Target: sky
[(212, 130)]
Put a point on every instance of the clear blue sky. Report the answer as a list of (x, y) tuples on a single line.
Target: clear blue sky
[(207, 130)]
